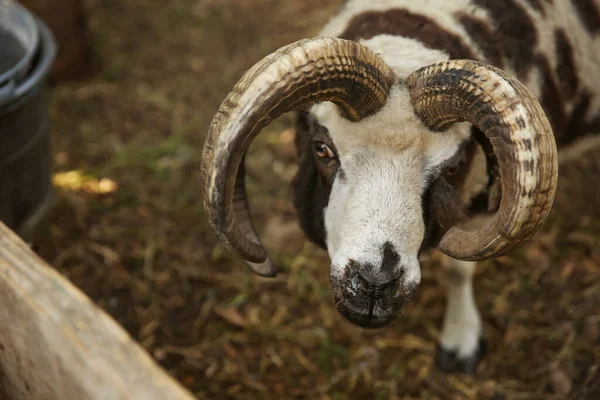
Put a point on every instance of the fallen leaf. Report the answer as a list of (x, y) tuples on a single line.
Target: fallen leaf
[(591, 331), (567, 270), (232, 316), (487, 390), (583, 238), (538, 260), (560, 381)]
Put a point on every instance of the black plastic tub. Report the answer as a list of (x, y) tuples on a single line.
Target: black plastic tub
[(27, 49)]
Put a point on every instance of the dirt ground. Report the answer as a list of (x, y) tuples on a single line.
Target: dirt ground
[(128, 229)]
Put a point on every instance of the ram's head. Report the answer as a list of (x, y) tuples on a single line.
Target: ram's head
[(382, 159)]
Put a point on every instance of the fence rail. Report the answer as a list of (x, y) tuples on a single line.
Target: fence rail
[(56, 344)]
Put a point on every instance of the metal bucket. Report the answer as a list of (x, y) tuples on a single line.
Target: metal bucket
[(27, 49)]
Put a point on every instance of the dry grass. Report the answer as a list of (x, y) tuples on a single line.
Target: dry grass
[(129, 230)]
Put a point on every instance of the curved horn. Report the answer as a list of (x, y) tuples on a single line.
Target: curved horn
[(513, 120), (307, 71)]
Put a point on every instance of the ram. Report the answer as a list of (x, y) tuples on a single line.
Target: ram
[(421, 124)]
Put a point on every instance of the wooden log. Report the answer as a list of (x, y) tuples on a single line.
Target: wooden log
[(67, 19), (56, 344)]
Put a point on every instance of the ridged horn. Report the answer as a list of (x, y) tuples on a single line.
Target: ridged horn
[(517, 127), (304, 72)]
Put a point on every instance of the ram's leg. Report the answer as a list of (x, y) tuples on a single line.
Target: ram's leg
[(461, 347)]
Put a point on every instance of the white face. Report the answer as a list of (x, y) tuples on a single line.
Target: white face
[(374, 218)]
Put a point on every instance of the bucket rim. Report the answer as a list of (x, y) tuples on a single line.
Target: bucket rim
[(41, 65), (28, 21), (47, 49)]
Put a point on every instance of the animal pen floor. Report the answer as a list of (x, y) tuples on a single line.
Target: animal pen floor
[(128, 229)]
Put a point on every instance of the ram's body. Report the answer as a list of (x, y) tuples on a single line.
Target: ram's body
[(552, 46), (400, 149)]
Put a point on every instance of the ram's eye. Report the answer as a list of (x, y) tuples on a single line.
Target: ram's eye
[(323, 151), (452, 170)]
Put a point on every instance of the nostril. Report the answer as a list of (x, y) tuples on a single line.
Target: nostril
[(357, 284), (393, 287), (401, 273)]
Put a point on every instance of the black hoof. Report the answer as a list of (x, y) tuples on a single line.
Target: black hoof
[(448, 361)]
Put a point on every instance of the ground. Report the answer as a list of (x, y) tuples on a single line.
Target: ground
[(129, 230)]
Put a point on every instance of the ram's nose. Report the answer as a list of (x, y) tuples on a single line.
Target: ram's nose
[(375, 287), (369, 298), (371, 289)]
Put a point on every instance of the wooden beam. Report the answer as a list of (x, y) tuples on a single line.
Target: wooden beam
[(56, 344)]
